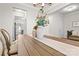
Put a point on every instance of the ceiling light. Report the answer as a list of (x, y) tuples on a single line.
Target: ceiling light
[(70, 8)]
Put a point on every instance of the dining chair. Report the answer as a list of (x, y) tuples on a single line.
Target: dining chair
[(11, 46), (3, 49)]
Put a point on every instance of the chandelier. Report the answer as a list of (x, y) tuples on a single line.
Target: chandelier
[(42, 18), (41, 4)]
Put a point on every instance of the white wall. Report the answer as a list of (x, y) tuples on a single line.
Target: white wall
[(31, 16), (68, 19), (60, 23), (56, 24), (7, 17)]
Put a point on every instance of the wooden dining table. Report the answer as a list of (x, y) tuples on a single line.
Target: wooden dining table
[(28, 46)]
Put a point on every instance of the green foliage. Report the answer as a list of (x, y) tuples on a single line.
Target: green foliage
[(41, 22)]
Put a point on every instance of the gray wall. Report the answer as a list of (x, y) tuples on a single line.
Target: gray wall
[(56, 24), (6, 18), (68, 19)]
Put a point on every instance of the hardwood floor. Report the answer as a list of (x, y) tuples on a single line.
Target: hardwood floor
[(28, 46), (64, 40)]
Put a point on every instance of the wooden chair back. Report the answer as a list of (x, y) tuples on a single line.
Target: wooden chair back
[(2, 44), (7, 38)]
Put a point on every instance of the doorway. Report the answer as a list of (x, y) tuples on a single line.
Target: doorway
[(19, 22)]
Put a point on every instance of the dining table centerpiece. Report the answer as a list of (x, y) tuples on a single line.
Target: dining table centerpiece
[(41, 23)]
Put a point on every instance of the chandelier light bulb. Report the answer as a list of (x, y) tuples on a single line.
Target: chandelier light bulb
[(42, 4)]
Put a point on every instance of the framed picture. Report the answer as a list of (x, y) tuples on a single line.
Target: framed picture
[(75, 23)]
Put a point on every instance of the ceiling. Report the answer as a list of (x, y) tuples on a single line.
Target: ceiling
[(66, 12), (31, 5), (48, 9)]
